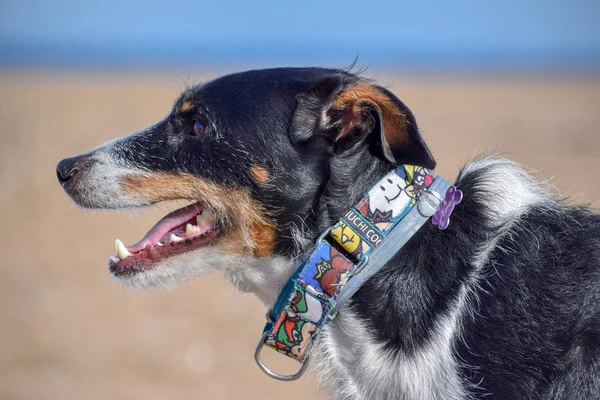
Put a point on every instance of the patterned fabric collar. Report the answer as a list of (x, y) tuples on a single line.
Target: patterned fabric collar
[(349, 253)]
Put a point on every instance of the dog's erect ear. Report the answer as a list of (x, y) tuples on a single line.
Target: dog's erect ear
[(349, 113)]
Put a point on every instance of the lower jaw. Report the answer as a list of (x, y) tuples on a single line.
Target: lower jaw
[(149, 259)]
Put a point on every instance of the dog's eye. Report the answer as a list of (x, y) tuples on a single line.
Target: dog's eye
[(199, 127)]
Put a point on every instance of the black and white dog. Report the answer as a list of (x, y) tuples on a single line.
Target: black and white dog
[(503, 304)]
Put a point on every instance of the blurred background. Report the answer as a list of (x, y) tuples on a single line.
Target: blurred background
[(521, 77)]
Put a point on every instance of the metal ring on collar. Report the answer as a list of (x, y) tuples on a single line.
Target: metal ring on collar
[(270, 372)]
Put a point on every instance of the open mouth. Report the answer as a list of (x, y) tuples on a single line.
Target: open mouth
[(180, 231)]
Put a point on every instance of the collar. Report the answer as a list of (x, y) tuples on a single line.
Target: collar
[(348, 254)]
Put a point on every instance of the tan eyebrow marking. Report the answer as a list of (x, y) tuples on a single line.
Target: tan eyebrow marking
[(187, 105), (261, 174)]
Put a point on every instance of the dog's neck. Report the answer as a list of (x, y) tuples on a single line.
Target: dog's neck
[(352, 175), (265, 277), (397, 333), (424, 292)]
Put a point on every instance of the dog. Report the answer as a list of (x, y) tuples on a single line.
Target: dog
[(504, 303)]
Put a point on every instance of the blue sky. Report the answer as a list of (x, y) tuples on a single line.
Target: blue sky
[(509, 33)]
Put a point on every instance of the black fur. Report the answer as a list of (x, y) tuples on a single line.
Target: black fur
[(532, 328)]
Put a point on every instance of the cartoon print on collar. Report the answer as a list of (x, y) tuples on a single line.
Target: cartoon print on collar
[(332, 273), (391, 198), (349, 240), (292, 333), (293, 336), (325, 271), (383, 203), (306, 306), (346, 237), (418, 178)]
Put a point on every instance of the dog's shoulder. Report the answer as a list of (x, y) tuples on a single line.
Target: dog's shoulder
[(534, 289)]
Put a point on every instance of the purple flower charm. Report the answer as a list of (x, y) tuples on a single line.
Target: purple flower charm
[(442, 217)]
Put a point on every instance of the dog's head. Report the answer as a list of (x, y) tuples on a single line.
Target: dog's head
[(267, 159)]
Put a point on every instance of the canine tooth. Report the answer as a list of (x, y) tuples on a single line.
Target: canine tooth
[(160, 244), (174, 238), (189, 229), (122, 251)]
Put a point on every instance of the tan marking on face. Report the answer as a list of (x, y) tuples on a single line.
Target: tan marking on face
[(187, 105), (394, 120), (260, 174), (262, 235), (248, 228)]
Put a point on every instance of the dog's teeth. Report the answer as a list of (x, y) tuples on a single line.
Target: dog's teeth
[(205, 220), (190, 229), (206, 215), (175, 239), (114, 259), (122, 251), (160, 244)]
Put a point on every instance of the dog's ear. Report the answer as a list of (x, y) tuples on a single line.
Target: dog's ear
[(348, 114)]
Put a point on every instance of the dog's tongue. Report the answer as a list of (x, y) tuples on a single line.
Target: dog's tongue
[(168, 223)]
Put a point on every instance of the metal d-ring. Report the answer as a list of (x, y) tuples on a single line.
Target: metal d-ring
[(268, 316), (271, 373)]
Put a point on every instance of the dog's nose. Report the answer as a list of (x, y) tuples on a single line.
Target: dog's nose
[(66, 169)]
